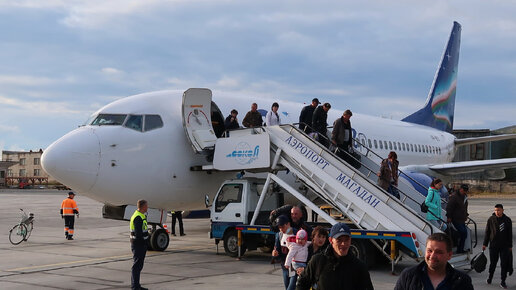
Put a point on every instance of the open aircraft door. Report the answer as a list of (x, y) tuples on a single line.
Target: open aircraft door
[(197, 119)]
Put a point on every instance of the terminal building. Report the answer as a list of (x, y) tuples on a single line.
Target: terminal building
[(489, 180), (19, 168)]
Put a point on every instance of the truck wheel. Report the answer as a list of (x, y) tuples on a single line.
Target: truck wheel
[(159, 240), (231, 244), (364, 251)]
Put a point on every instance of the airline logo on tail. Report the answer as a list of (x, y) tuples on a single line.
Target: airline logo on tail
[(441, 105)]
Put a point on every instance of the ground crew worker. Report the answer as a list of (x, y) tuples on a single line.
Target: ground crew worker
[(139, 237), (68, 211)]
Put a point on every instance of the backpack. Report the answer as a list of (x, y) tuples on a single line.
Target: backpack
[(479, 262)]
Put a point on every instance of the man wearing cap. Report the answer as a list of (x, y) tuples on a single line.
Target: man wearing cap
[(320, 124), (457, 213), (68, 211), (285, 235), (336, 268), (434, 272), (305, 118)]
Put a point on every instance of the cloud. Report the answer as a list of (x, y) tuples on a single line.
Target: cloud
[(227, 82), (38, 108), (7, 128), (111, 71), (25, 80)]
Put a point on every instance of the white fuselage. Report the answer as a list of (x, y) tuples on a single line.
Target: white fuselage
[(117, 165)]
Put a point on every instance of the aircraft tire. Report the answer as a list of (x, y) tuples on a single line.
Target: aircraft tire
[(159, 240), (231, 243)]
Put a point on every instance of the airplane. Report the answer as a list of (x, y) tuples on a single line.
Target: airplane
[(154, 145)]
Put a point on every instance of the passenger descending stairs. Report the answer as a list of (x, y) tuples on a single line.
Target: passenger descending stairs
[(344, 187)]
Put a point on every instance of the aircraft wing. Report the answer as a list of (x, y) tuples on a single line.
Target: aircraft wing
[(494, 169), (473, 166), (476, 140)]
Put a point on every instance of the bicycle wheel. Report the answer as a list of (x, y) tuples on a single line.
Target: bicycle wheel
[(17, 234), (30, 226)]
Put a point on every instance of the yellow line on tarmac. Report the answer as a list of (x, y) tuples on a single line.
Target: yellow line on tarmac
[(67, 263)]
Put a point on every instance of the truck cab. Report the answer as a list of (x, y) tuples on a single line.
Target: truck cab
[(234, 205)]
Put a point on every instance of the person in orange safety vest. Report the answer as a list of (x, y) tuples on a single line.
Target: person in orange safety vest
[(68, 211)]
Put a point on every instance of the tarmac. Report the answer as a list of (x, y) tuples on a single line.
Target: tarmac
[(100, 256)]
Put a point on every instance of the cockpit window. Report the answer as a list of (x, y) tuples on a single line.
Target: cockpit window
[(152, 122), (134, 122), (109, 119)]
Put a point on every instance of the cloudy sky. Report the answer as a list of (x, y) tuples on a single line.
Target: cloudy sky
[(61, 60)]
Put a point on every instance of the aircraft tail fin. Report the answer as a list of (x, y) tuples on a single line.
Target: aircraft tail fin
[(439, 109)]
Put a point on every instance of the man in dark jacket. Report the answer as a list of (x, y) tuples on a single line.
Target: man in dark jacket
[(499, 238), (305, 118), (231, 122), (320, 124), (297, 217), (435, 272), (457, 213), (253, 118), (342, 136), (336, 268)]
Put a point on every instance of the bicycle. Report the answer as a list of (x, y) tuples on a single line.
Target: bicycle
[(21, 232)]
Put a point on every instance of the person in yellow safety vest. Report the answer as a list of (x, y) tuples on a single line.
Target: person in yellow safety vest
[(139, 238), (68, 211)]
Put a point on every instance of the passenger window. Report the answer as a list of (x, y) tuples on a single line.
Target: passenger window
[(385, 144), (134, 122), (369, 143), (395, 147), (381, 144), (152, 122), (390, 145), (109, 120), (376, 144), (229, 193), (419, 148), (399, 145), (403, 144)]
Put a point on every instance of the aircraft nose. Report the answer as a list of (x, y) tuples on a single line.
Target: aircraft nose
[(74, 159)]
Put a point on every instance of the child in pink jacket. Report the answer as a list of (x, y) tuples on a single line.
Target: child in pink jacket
[(298, 251)]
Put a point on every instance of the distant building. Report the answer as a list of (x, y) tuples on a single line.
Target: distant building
[(505, 149), (486, 151), (4, 165), (25, 167)]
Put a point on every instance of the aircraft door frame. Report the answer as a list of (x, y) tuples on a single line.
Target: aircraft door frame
[(196, 111)]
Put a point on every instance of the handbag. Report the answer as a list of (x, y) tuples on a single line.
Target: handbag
[(424, 207), (479, 262)]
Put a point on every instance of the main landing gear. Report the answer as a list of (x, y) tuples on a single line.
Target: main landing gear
[(159, 239)]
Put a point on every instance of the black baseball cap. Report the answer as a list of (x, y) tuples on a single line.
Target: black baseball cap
[(282, 220), (71, 193), (465, 187), (339, 229), (316, 100)]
